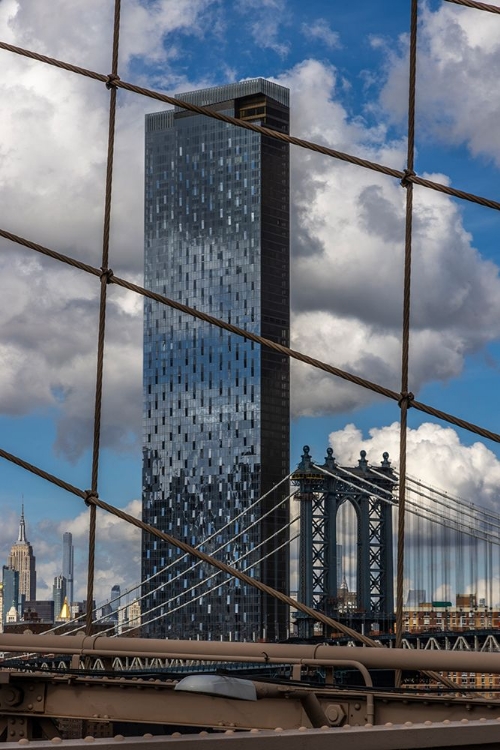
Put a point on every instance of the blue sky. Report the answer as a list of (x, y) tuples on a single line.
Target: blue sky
[(346, 67)]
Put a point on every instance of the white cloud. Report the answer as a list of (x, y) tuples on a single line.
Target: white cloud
[(53, 135), (347, 230), (435, 456), (458, 87), (60, 372), (348, 244), (319, 30), (267, 19)]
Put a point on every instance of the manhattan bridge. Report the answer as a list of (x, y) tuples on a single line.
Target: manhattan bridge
[(370, 522)]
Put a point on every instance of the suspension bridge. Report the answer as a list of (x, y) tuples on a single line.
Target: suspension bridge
[(340, 537)]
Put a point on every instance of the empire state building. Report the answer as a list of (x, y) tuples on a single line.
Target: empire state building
[(22, 559)]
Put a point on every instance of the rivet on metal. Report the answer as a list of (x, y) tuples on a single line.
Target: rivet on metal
[(302, 729), (389, 724), (89, 738), (56, 740), (408, 723), (464, 721), (254, 731), (118, 737), (429, 723), (278, 729)]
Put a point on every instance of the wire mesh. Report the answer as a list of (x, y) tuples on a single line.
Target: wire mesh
[(404, 398)]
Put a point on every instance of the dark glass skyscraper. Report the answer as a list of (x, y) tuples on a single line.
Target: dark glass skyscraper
[(216, 407), (68, 565)]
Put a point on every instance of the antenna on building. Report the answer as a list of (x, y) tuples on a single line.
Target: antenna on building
[(22, 526)]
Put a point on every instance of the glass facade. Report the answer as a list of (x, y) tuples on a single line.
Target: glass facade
[(216, 407)]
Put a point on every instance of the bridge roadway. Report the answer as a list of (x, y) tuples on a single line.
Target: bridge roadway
[(486, 639), (472, 735), (478, 640), (290, 711)]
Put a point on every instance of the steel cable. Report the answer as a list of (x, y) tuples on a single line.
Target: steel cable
[(292, 353), (276, 135), (404, 398)]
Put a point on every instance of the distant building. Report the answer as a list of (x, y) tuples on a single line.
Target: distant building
[(115, 598), (134, 614), (68, 564), (59, 593), (415, 597), (22, 559), (39, 611), (65, 613), (10, 580), (466, 600), (12, 615), (347, 600), (463, 616)]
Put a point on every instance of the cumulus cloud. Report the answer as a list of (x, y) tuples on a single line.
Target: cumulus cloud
[(435, 456), (58, 370), (458, 85), (53, 137), (348, 243), (347, 228)]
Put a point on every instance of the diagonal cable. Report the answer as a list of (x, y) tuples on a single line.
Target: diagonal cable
[(276, 135), (105, 275), (292, 353)]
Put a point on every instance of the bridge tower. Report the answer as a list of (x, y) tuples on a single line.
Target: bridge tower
[(322, 491)]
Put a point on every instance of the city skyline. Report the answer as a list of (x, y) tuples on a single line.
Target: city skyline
[(216, 408), (352, 102), (18, 586)]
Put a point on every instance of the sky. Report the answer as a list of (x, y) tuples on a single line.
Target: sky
[(346, 67)]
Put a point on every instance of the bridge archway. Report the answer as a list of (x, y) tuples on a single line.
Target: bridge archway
[(323, 489)]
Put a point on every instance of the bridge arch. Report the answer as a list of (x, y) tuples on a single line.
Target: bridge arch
[(323, 489)]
